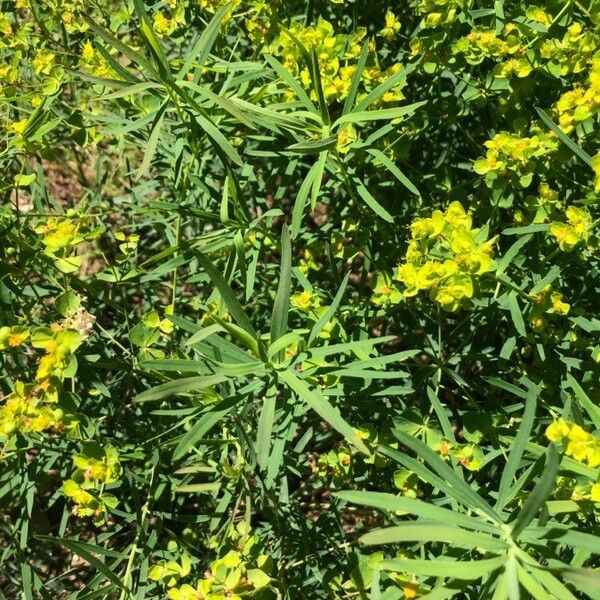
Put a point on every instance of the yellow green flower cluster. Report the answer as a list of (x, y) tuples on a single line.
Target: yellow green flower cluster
[(509, 153), (392, 26), (34, 407), (575, 231), (439, 12), (96, 467), (308, 302), (469, 455), (170, 571), (547, 302), (239, 573), (337, 55), (31, 409), (94, 62), (445, 257), (580, 103), (30, 69), (481, 43), (61, 236), (67, 11), (335, 464), (262, 21), (167, 22), (214, 5), (573, 52), (543, 204), (576, 442)]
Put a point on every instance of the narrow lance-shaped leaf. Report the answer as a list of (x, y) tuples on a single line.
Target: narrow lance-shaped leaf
[(518, 447), (323, 408), (540, 492), (201, 50), (279, 318), (564, 138)]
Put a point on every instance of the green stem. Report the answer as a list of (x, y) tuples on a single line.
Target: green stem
[(127, 579)]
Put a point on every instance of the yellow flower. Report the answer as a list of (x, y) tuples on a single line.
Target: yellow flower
[(12, 337), (565, 235), (463, 241), (392, 25), (558, 430), (595, 493), (385, 292), (19, 126), (185, 592), (558, 306), (578, 443), (408, 275), (429, 227), (162, 25), (346, 137), (74, 491), (304, 301), (456, 216), (576, 231), (87, 52), (580, 219), (410, 589), (432, 272), (455, 290), (43, 62)]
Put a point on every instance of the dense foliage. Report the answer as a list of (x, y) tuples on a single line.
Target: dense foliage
[(298, 299)]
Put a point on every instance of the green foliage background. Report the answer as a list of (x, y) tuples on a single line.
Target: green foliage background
[(299, 299)]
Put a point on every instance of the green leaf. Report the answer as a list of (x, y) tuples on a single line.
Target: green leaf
[(67, 303), (199, 53), (394, 170), (433, 532), (506, 260), (301, 199), (532, 584), (152, 40), (356, 79), (279, 318), (113, 42), (314, 146), (419, 508), (198, 488), (383, 114), (586, 580), (204, 424), (517, 447), (592, 409), (232, 303), (143, 336), (448, 569), (385, 86), (321, 406), (330, 312), (372, 203), (150, 150), (539, 494), (552, 584), (88, 553), (511, 572), (564, 138), (457, 487), (291, 81), (187, 385), (516, 314), (265, 428)]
